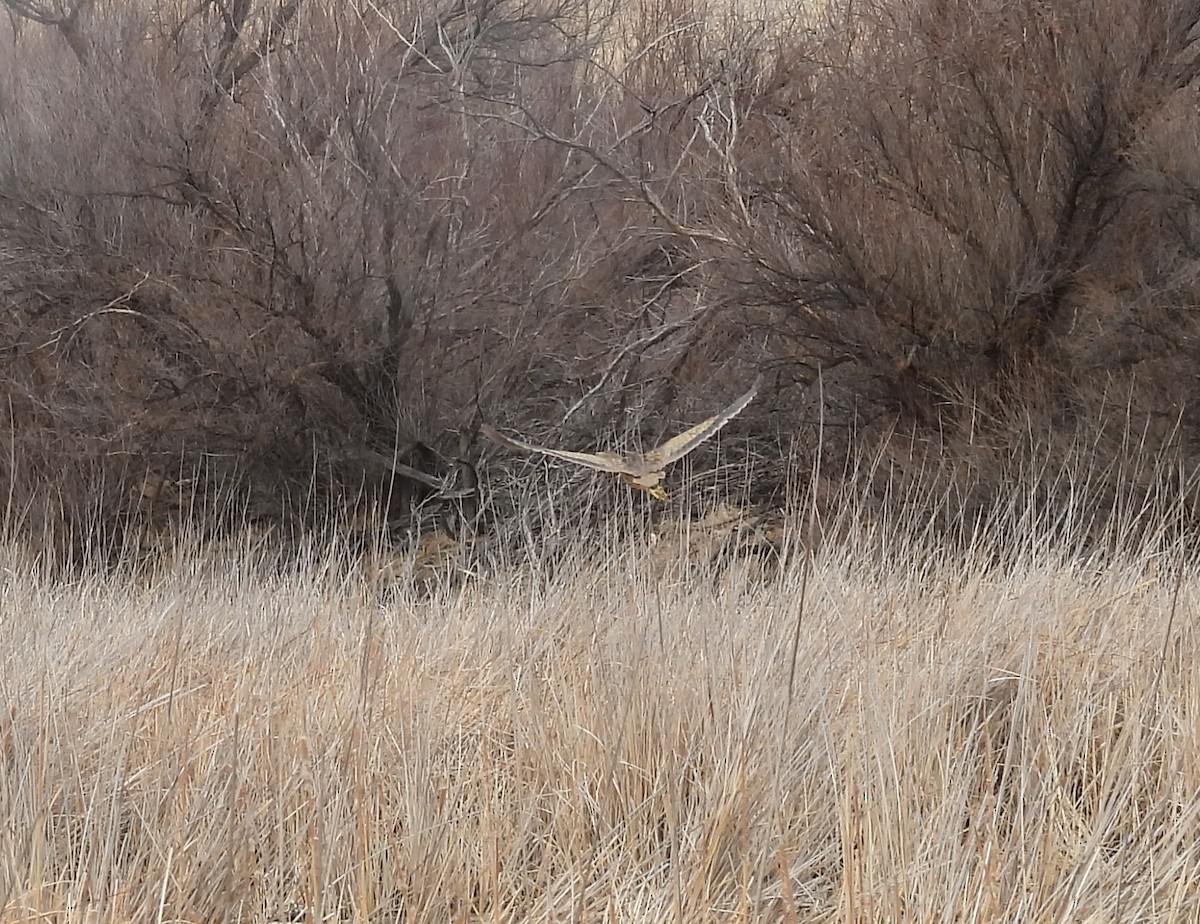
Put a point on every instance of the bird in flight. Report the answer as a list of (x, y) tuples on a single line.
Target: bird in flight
[(644, 470)]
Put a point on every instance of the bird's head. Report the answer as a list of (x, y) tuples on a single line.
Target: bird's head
[(650, 482)]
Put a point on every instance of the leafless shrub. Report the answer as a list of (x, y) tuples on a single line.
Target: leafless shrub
[(270, 241), (65, 16), (275, 242), (954, 208)]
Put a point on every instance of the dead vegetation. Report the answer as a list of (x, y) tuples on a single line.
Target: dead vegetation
[(279, 250), (886, 731), (912, 640)]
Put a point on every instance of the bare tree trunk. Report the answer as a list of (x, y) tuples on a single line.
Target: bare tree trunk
[(63, 15)]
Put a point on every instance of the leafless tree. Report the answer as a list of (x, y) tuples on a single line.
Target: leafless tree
[(64, 15)]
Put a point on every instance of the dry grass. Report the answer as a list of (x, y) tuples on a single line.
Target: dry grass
[(886, 733)]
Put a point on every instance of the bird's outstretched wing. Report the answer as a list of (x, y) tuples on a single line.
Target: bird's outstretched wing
[(601, 461), (679, 446)]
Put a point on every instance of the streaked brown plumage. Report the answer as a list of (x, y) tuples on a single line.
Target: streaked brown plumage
[(645, 470)]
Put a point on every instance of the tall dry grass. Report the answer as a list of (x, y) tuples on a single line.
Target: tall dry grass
[(881, 731)]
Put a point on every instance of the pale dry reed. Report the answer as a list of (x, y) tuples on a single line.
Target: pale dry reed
[(891, 733)]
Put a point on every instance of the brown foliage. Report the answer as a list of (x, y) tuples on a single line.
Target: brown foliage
[(262, 245), (265, 246), (934, 183), (968, 203)]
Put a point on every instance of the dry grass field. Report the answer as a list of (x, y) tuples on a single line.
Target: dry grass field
[(876, 731), (279, 263)]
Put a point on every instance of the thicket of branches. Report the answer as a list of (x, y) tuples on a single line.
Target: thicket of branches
[(274, 243)]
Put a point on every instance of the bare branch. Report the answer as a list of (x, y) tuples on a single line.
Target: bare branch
[(63, 15)]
